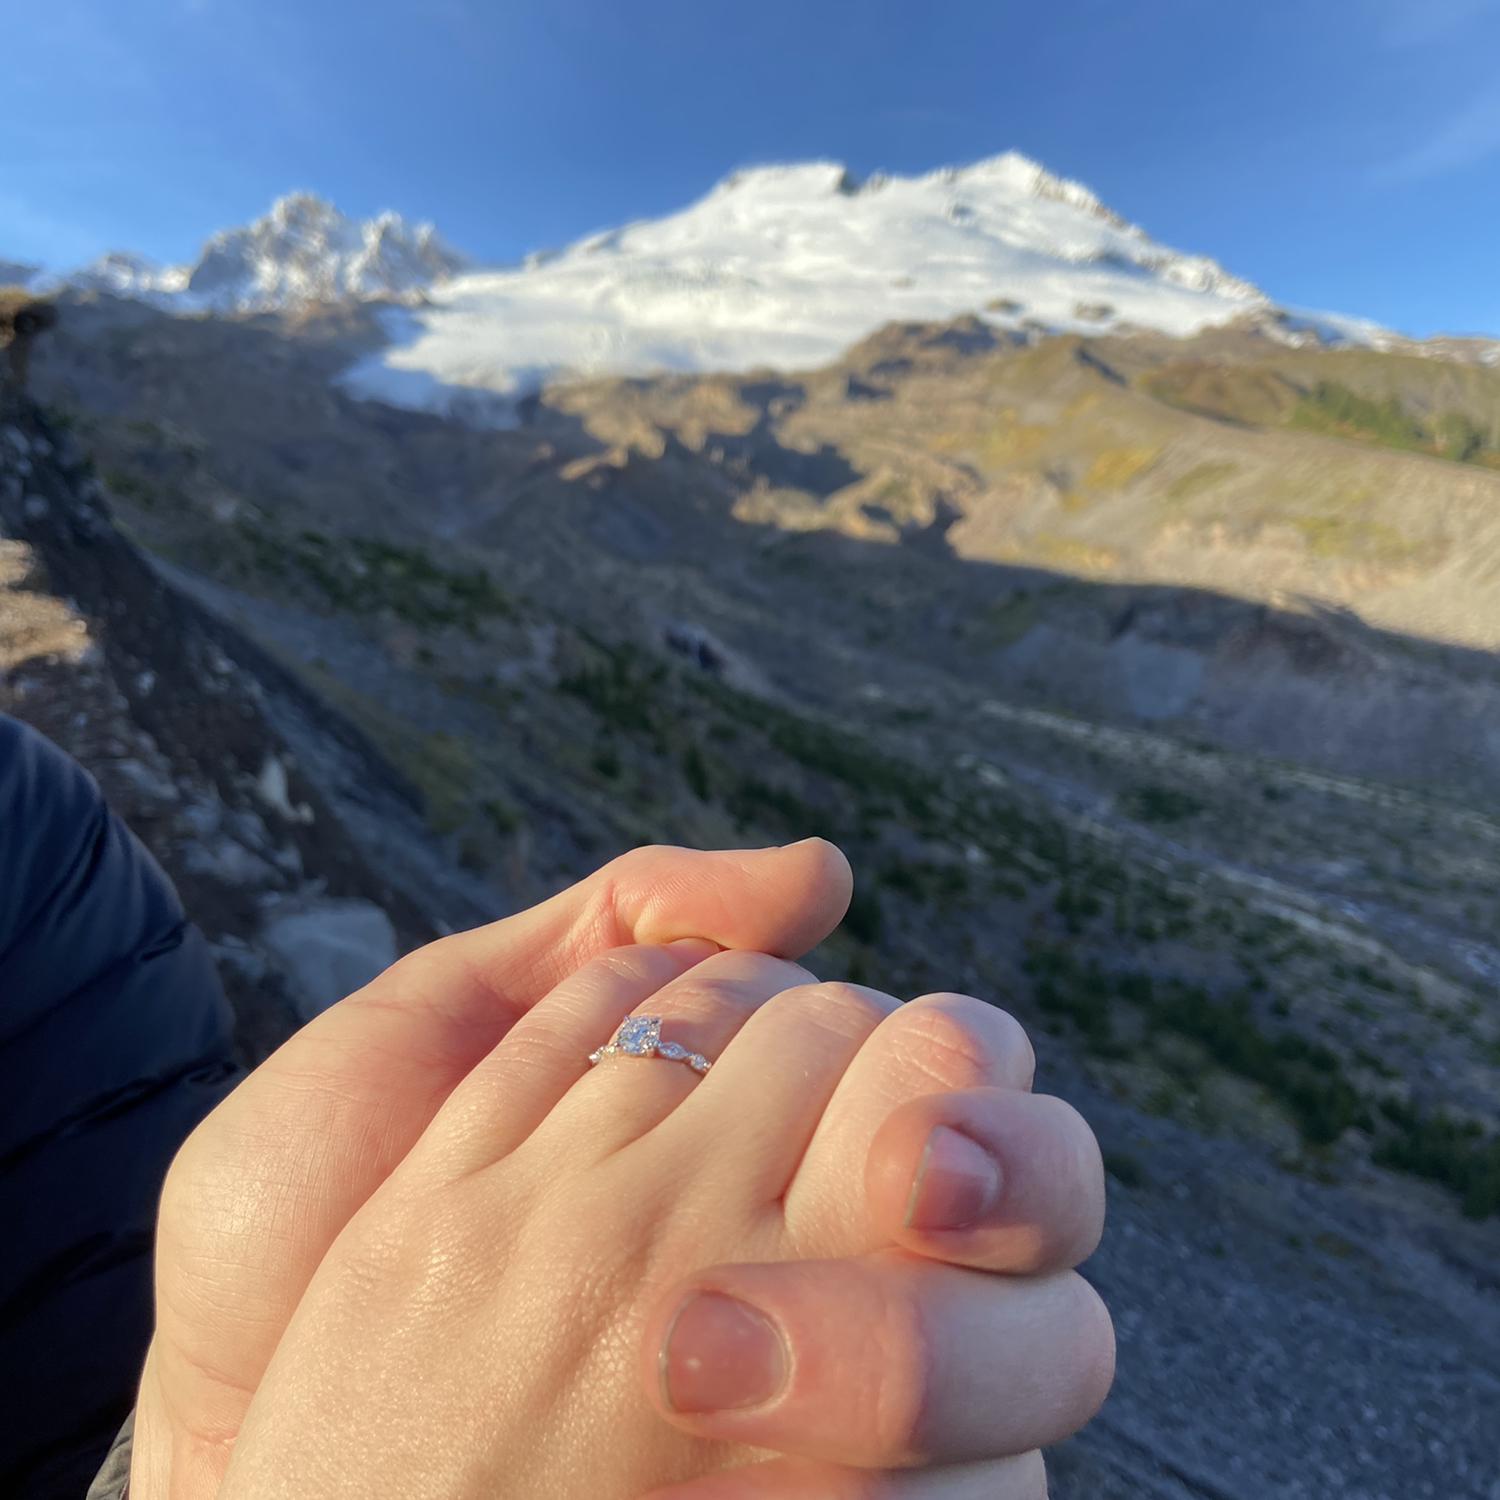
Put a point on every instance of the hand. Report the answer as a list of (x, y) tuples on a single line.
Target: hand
[(592, 1281), (263, 1186)]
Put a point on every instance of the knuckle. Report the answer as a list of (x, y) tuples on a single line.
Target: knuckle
[(1093, 1363), (736, 972), (414, 970), (837, 1003), (961, 1041), (629, 965), (901, 1396), (736, 963), (633, 861), (1077, 1162)]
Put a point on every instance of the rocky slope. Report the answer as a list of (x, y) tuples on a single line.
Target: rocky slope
[(953, 600), (195, 735)]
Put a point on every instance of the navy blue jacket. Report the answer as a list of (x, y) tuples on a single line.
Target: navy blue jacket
[(115, 1040)]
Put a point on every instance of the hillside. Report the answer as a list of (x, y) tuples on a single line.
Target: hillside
[(1146, 680)]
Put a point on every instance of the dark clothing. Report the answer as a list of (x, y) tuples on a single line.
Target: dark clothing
[(115, 1040)]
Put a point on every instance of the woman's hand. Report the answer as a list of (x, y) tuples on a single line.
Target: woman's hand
[(593, 1282), (263, 1186)]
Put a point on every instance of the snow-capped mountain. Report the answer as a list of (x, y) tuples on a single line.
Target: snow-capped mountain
[(304, 250), (776, 266), (789, 265), (127, 275)]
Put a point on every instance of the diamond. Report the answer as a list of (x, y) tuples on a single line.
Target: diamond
[(639, 1035), (698, 1063), (672, 1050), (595, 1056)]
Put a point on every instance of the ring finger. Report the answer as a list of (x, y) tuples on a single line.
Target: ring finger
[(541, 1068)]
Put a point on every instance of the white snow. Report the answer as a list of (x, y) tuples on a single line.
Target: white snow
[(780, 266), (303, 250), (126, 275), (787, 266)]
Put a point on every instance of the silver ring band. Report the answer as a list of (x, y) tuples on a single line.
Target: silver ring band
[(640, 1036)]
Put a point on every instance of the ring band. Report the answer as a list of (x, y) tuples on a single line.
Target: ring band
[(640, 1036)]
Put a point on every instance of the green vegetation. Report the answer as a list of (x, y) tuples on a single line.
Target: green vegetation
[(1009, 618), (130, 487), (1229, 393), (1155, 803), (1114, 468), (1452, 1152), (1125, 1169), (1331, 407), (368, 576), (1335, 408), (1116, 951), (443, 767), (1198, 480), (1307, 1079), (1351, 534)]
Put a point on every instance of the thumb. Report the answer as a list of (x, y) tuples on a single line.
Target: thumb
[(264, 1185)]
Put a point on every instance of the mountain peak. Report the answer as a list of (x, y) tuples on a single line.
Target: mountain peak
[(814, 178), (303, 249), (302, 204), (787, 264)]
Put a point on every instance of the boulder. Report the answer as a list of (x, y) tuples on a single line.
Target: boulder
[(328, 949)]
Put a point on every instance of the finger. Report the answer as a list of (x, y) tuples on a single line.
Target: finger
[(1022, 1478), (259, 1192), (990, 1178), (509, 1092), (623, 1097), (880, 1361), (759, 1107), (934, 1044)]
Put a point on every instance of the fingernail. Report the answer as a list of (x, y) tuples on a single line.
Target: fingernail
[(721, 1355), (957, 1183)]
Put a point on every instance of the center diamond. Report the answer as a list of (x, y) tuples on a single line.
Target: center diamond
[(639, 1035)]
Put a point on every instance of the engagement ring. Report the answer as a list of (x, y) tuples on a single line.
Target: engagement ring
[(640, 1036)]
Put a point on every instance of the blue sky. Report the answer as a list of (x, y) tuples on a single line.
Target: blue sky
[(1344, 154)]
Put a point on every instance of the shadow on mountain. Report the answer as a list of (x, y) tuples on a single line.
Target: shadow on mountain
[(1302, 681), (1305, 681)]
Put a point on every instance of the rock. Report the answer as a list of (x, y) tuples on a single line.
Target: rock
[(150, 781), (273, 788), (202, 817), (328, 949), (36, 507), (226, 860)]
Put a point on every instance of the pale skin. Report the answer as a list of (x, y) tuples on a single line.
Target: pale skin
[(426, 1250)]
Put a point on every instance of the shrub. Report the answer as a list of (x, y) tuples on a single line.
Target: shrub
[(1125, 1169), (1163, 804)]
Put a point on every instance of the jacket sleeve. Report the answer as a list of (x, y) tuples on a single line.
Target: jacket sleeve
[(112, 1482), (115, 1040)]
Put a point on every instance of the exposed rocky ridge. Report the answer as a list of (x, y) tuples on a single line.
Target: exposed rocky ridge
[(180, 718), (302, 251), (743, 609)]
